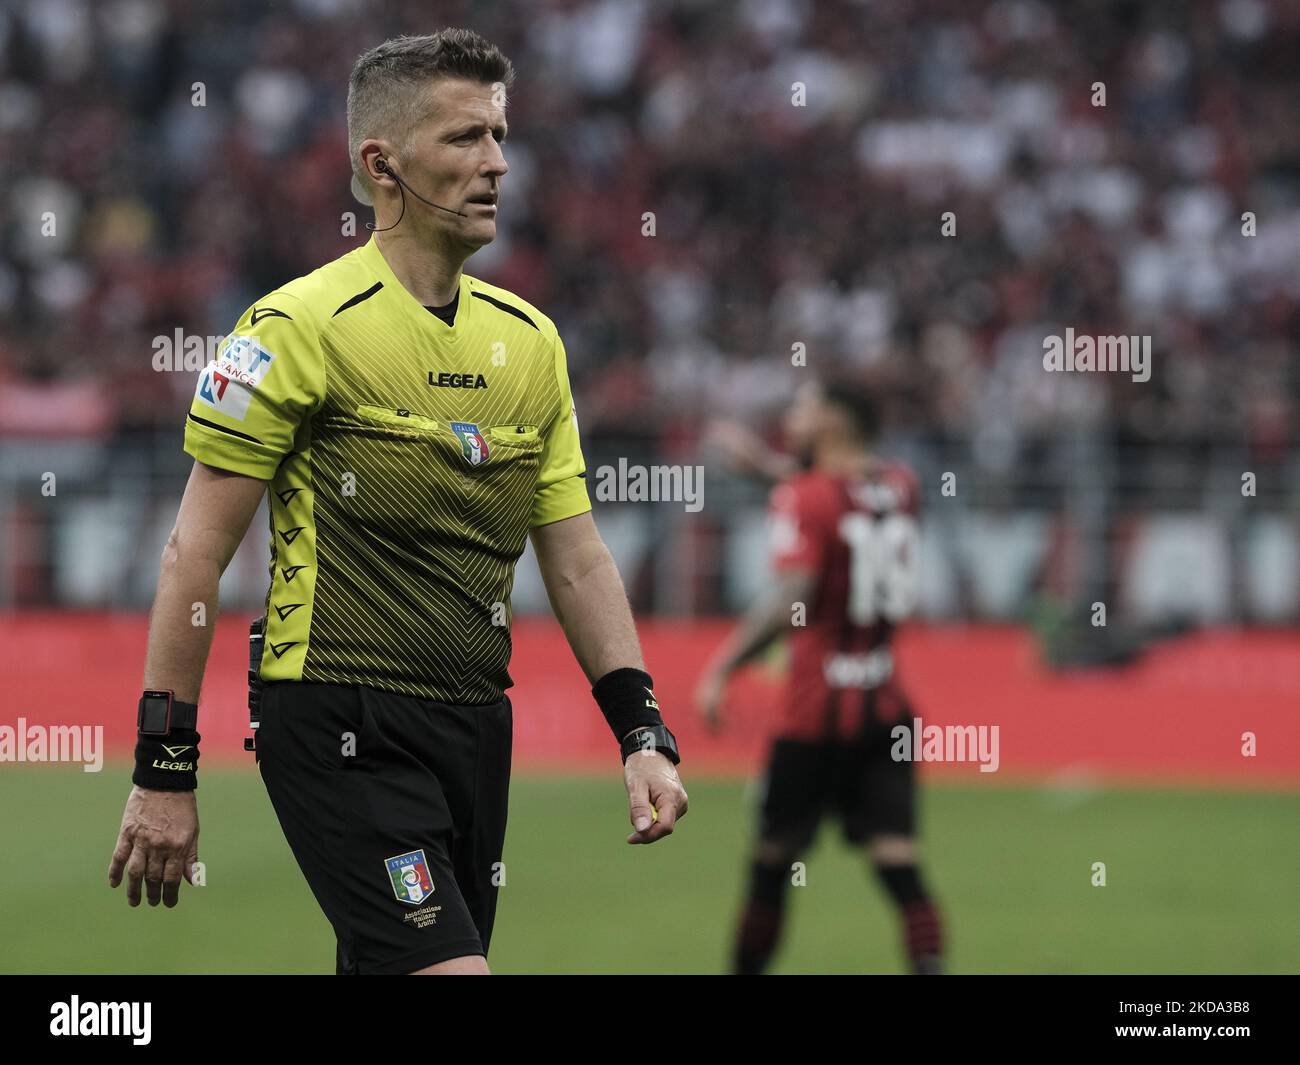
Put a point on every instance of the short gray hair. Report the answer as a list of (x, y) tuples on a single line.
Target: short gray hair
[(388, 82)]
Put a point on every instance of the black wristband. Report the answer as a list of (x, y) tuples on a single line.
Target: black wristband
[(626, 697), (167, 763)]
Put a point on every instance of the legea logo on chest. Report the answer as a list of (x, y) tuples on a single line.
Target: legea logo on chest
[(457, 380)]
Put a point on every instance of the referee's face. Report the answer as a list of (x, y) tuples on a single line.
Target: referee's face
[(453, 157)]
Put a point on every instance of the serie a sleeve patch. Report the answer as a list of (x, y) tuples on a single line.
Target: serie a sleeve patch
[(228, 383), (251, 399)]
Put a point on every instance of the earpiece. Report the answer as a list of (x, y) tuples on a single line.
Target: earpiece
[(381, 164)]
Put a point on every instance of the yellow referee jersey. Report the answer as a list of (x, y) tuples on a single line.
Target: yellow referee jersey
[(407, 460)]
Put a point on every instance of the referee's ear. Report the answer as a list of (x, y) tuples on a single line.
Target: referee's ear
[(375, 156)]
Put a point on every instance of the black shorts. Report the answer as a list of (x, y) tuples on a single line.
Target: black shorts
[(398, 830), (857, 780)]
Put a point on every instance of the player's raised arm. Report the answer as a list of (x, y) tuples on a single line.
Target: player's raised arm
[(767, 619), (746, 453), (798, 546), (158, 839)]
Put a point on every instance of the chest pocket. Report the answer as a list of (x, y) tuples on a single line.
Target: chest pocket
[(516, 440), (518, 436), (399, 418), (473, 453), (410, 477)]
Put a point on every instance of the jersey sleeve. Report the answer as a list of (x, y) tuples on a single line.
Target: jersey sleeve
[(250, 401), (798, 539), (561, 481)]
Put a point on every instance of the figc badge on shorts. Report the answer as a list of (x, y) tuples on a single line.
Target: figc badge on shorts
[(471, 442), (410, 876)]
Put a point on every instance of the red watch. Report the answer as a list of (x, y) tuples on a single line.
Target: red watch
[(160, 712)]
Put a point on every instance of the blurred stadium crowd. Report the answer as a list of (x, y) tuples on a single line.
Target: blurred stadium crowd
[(798, 158)]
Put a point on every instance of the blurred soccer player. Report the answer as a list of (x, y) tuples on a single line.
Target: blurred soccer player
[(845, 554), (414, 426)]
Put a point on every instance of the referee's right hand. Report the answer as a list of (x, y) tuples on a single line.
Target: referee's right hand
[(158, 843)]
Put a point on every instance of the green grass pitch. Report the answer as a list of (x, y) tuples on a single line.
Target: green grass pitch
[(1196, 881)]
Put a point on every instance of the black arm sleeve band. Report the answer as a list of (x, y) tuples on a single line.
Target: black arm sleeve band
[(626, 697)]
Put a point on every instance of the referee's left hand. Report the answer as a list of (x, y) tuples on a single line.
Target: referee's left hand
[(655, 793)]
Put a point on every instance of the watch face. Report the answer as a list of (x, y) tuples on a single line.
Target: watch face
[(155, 712)]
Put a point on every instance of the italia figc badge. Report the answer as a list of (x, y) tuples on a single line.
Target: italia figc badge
[(409, 873), (472, 443)]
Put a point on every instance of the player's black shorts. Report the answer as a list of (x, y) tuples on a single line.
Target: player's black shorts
[(855, 780), (395, 808)]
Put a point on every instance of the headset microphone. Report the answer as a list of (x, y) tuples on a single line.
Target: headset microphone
[(382, 166)]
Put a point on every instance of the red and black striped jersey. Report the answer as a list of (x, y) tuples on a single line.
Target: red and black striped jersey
[(857, 537)]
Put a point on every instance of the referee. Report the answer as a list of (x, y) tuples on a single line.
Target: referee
[(412, 425)]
